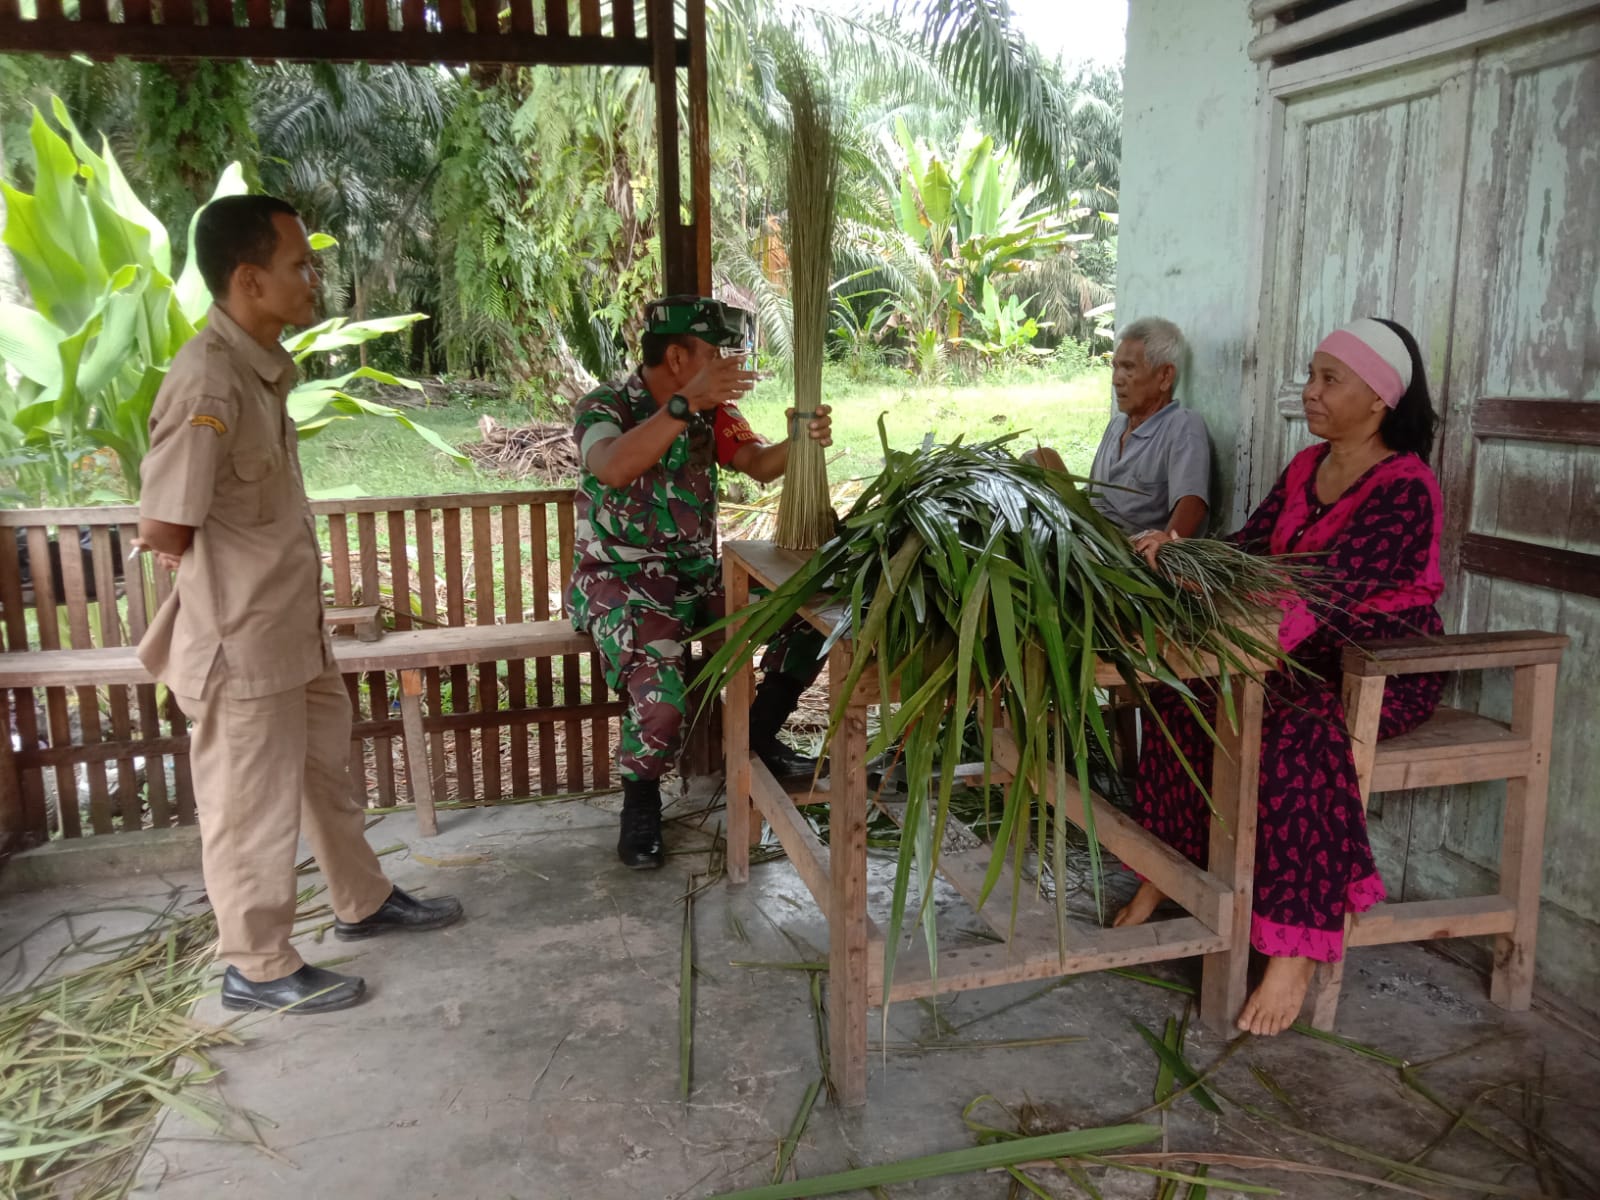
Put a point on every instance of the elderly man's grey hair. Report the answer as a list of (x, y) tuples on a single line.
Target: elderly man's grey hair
[(1162, 340)]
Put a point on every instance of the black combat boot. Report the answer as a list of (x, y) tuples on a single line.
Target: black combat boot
[(639, 846), (777, 696)]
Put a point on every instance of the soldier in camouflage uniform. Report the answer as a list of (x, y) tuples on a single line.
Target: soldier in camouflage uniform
[(645, 573)]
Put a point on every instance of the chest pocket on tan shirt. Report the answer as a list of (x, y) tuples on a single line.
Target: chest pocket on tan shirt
[(255, 486)]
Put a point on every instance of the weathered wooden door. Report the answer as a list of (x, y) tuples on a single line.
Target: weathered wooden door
[(1522, 452), (1366, 224), (1463, 199)]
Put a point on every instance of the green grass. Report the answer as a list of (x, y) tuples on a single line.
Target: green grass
[(381, 459)]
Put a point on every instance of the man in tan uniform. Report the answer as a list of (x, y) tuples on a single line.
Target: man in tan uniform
[(241, 642)]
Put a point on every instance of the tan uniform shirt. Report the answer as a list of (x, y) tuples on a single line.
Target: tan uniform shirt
[(245, 618)]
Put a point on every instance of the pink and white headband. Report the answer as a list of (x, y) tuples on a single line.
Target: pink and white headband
[(1375, 353)]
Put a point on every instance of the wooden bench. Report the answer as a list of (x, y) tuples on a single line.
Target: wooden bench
[(409, 653), (1456, 747)]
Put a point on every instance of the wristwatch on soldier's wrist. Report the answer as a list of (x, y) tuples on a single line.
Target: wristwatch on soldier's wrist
[(678, 408)]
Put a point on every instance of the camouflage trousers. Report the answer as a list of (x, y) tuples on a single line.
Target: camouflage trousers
[(642, 644)]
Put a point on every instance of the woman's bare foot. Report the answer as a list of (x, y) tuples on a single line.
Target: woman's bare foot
[(1137, 911), (1275, 1004)]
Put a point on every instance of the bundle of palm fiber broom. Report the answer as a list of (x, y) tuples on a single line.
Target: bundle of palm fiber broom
[(805, 515), (983, 584)]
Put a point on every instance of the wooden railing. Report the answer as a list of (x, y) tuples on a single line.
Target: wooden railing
[(497, 730)]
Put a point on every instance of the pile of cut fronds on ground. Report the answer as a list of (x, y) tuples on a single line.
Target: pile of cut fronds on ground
[(544, 451), (977, 582), (89, 1058)]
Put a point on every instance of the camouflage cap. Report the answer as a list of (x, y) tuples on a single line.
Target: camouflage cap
[(707, 319)]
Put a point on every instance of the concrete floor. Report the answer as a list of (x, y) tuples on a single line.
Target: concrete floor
[(532, 1051)]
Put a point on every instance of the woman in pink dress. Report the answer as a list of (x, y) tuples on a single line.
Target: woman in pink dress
[(1365, 502)]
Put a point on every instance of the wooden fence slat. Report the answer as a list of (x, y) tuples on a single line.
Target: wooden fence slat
[(400, 569), (589, 18), (413, 16), (35, 817), (383, 748), (183, 777), (374, 14), (572, 678), (258, 11), (516, 672), (177, 12), (358, 744), (336, 14), (622, 19), (44, 598), (599, 727), (450, 15), (75, 586), (488, 673), (297, 14), (105, 586), (521, 16), (136, 12), (155, 768), (486, 17), (557, 20), (544, 688), (428, 595), (339, 559), (460, 687), (48, 10), (218, 12)]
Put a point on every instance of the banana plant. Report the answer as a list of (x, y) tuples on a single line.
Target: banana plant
[(82, 366)]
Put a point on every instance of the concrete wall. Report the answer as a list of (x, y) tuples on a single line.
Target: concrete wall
[(1187, 232)]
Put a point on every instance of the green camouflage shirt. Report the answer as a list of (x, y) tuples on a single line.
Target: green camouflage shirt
[(655, 537)]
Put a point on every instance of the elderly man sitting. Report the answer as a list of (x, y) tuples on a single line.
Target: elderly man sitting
[(1154, 455)]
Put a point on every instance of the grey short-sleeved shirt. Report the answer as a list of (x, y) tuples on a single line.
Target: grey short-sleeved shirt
[(1167, 458)]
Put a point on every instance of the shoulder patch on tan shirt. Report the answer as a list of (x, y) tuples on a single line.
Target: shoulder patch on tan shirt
[(206, 421)]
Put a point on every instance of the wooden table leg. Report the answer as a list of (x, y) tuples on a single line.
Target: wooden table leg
[(1533, 699), (847, 884), (1234, 778), (744, 822), (418, 769)]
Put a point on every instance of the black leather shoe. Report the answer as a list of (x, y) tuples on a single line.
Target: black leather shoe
[(639, 845), (308, 990), (785, 763), (402, 911)]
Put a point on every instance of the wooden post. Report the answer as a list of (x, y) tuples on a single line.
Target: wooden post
[(1533, 703), (418, 769), (699, 145), (1235, 775), (744, 822), (677, 266), (1363, 706), (13, 821), (847, 886)]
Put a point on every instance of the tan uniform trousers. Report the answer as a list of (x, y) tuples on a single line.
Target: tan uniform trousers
[(266, 769)]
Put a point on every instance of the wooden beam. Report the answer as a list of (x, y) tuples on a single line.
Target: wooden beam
[(622, 19), (1088, 949), (557, 18), (1537, 566), (589, 18), (266, 44), (1428, 920), (1179, 879), (1331, 22), (1454, 652), (1569, 422)]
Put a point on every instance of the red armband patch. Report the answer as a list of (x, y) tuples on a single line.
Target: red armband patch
[(732, 432)]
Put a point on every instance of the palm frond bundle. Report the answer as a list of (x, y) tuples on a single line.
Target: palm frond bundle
[(979, 584), (805, 519)]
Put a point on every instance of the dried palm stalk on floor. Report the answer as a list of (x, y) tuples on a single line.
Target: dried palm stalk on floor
[(89, 1058)]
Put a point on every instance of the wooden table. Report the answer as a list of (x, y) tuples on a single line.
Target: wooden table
[(1216, 900)]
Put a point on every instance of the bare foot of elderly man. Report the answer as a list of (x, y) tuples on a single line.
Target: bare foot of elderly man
[(1137, 911), (1275, 1004)]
